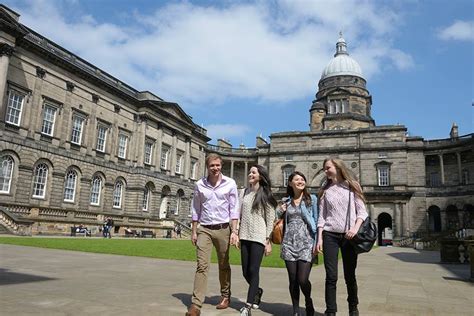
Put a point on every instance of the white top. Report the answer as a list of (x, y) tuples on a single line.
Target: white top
[(255, 225)]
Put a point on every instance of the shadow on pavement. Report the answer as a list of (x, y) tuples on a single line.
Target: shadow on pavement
[(7, 277)]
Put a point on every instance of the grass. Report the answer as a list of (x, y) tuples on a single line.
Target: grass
[(152, 248)]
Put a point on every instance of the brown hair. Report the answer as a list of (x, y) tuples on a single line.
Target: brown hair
[(345, 174), (291, 193), (212, 156)]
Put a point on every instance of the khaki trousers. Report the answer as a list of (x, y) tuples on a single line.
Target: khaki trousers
[(220, 238)]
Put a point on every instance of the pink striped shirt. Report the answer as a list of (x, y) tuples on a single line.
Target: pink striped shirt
[(333, 209)]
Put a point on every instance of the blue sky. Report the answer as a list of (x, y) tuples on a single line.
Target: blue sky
[(245, 68)]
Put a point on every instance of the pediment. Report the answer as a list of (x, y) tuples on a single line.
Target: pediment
[(171, 110)]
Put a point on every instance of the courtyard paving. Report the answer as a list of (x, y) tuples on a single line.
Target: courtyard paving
[(392, 281)]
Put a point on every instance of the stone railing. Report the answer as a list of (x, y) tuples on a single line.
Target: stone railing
[(13, 224)]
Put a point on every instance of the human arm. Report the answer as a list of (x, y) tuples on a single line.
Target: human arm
[(194, 233), (234, 233), (319, 243)]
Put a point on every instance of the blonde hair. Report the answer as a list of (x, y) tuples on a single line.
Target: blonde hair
[(345, 174), (212, 156)]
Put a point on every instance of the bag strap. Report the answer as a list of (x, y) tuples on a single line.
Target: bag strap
[(348, 217)]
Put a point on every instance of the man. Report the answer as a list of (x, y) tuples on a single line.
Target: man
[(215, 204)]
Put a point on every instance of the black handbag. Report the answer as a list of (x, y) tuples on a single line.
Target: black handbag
[(367, 234)]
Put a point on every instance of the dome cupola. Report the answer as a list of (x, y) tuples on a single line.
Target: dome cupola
[(342, 64)]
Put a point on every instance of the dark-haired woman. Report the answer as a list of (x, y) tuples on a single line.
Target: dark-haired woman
[(299, 241), (340, 194), (256, 223)]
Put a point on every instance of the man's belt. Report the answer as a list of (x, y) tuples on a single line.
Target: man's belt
[(216, 226)]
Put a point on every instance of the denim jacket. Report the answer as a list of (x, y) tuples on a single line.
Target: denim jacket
[(310, 215)]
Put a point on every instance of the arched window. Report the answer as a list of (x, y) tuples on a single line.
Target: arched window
[(118, 194), (70, 186), (95, 190), (6, 173), (146, 199), (40, 180)]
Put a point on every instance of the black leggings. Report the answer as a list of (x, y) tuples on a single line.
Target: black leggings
[(252, 254), (298, 275)]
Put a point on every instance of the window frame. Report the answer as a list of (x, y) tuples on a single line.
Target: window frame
[(122, 148), (37, 185), (148, 154), (53, 122), (99, 139), (92, 192), (146, 199), (164, 157), (71, 189), (7, 177), (10, 108), (115, 197), (179, 163), (73, 129)]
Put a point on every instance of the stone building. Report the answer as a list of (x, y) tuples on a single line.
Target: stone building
[(413, 186), (78, 145)]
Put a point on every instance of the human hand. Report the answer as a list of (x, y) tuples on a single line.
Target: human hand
[(319, 246), (234, 239), (351, 233), (268, 248), (194, 238)]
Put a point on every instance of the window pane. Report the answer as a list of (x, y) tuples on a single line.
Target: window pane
[(70, 186), (148, 152), (49, 115), (95, 191), (14, 107), (122, 148), (40, 179), (164, 158), (145, 200), (76, 134), (6, 173), (179, 159), (101, 137), (118, 194)]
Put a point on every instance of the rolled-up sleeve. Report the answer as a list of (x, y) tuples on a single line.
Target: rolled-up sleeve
[(269, 219), (234, 210), (196, 204), (361, 211)]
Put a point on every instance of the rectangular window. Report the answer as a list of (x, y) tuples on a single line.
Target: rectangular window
[(101, 138), (148, 152), (435, 181), (194, 169), (289, 158), (286, 175), (122, 146), (14, 107), (49, 116), (164, 157), (179, 163), (95, 191), (384, 176), (76, 133)]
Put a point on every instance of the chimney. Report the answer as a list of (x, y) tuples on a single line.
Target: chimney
[(454, 131)]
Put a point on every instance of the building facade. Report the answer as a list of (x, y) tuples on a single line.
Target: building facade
[(78, 145)]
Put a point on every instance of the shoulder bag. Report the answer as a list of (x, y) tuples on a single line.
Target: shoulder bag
[(367, 234)]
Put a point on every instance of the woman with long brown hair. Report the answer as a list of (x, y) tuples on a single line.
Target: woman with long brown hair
[(340, 195), (298, 247)]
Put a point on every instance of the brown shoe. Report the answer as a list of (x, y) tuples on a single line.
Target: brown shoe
[(224, 303), (193, 311)]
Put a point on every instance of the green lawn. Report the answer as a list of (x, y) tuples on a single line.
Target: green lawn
[(153, 248)]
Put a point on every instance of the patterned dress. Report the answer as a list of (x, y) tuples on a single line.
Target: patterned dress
[(297, 242)]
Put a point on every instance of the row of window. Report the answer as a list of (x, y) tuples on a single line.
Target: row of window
[(40, 181), (14, 113)]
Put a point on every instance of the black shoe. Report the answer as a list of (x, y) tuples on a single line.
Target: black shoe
[(354, 313), (309, 307), (258, 298)]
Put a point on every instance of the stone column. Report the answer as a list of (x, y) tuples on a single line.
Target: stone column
[(187, 158), (6, 51), (245, 173), (173, 154), (441, 165), (34, 111), (158, 147), (458, 156), (140, 139), (398, 232), (232, 169)]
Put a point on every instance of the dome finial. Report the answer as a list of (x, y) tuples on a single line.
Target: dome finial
[(340, 34), (341, 47)]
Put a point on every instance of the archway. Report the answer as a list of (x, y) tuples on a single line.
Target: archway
[(164, 206), (468, 218), (384, 222), (452, 218), (434, 219)]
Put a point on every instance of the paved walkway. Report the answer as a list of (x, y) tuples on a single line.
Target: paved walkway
[(392, 281)]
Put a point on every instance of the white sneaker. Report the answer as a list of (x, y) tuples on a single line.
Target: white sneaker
[(246, 311)]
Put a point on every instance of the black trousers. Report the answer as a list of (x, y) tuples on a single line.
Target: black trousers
[(332, 242), (251, 255)]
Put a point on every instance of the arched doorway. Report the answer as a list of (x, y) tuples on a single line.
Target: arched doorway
[(452, 218), (468, 217), (164, 206), (434, 219), (384, 223)]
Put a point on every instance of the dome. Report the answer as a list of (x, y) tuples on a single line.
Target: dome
[(342, 64)]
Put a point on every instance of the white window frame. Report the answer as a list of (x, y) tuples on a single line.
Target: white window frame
[(179, 163), (15, 104), (383, 176), (77, 129), (49, 119), (286, 174), (194, 165), (148, 152), (40, 180), (7, 164), (96, 188), (165, 152), (122, 146), (70, 186), (118, 194), (146, 199), (101, 138)]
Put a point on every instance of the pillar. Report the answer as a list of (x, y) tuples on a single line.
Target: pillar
[(441, 165)]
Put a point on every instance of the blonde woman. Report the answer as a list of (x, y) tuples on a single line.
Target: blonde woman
[(340, 194)]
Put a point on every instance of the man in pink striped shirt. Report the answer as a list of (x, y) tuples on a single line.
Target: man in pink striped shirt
[(215, 204)]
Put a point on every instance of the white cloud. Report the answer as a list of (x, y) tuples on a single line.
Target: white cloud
[(459, 30), (227, 131), (263, 51)]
